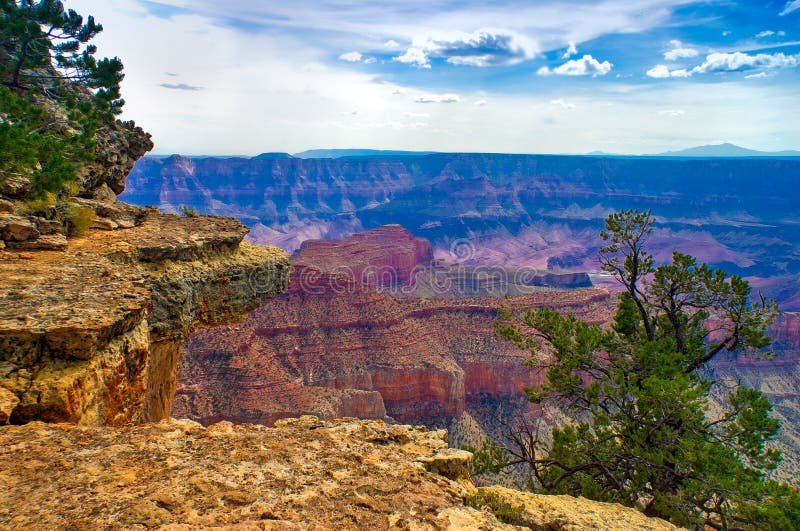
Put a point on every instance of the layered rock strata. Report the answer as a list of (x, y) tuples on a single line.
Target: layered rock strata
[(91, 334), (302, 474), (333, 348)]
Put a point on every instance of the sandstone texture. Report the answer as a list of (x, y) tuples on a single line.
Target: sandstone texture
[(91, 334), (302, 474), (531, 511)]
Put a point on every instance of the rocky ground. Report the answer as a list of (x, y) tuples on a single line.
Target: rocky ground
[(302, 474)]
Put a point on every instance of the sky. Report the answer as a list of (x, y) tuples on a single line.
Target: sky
[(243, 77)]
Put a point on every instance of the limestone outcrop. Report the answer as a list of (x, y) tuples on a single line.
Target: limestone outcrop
[(302, 474), (91, 334)]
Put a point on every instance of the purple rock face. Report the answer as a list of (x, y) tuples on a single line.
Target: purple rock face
[(504, 210)]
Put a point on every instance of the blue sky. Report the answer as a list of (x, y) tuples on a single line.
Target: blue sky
[(636, 76)]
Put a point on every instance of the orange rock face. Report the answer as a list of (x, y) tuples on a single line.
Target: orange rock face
[(384, 257), (332, 346)]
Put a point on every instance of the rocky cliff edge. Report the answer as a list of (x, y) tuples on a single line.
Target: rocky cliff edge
[(92, 334), (302, 474)]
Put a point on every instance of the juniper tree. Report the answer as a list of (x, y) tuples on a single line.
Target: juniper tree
[(55, 93), (38, 36), (644, 433)]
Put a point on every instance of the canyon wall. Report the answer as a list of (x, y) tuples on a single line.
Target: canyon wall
[(541, 211), (333, 346)]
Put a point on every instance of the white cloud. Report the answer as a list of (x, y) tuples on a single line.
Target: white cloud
[(563, 104), (351, 57), (757, 76), (765, 33), (672, 112), (585, 66), (729, 62), (658, 72), (370, 60), (726, 33), (480, 48), (414, 56), (679, 51), (438, 98), (480, 103), (738, 61), (417, 115), (791, 5), (571, 50), (285, 91), (391, 43)]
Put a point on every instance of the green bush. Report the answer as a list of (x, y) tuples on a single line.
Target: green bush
[(189, 212), (79, 220)]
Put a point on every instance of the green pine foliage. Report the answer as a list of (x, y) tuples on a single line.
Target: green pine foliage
[(55, 93), (644, 434), (189, 212)]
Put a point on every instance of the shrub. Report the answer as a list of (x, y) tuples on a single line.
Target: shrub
[(79, 220), (189, 212)]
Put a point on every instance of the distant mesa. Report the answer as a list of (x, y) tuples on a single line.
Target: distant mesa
[(726, 150), (348, 153), (272, 156)]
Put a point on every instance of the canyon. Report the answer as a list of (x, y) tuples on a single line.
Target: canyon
[(372, 340), (339, 344), (538, 211)]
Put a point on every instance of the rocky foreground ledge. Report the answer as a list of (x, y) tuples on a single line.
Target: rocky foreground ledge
[(91, 333), (302, 474)]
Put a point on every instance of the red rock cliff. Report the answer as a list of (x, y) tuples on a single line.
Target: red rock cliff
[(332, 346)]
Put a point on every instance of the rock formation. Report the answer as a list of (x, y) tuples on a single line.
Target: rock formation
[(302, 474), (92, 334), (333, 346), (91, 327), (515, 210), (387, 257)]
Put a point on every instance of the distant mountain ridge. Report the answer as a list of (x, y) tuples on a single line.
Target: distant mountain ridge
[(726, 150), (539, 211), (348, 153)]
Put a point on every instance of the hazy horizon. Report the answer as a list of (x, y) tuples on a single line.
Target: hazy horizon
[(633, 77), (356, 148)]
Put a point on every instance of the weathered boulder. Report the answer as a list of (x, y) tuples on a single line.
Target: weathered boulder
[(45, 242), (15, 185), (16, 229), (535, 511), (8, 401)]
